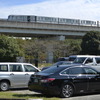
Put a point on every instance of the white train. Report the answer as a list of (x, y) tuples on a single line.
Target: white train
[(41, 19)]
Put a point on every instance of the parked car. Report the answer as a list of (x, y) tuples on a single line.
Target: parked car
[(79, 59), (63, 59), (87, 60), (57, 64), (15, 75), (66, 80)]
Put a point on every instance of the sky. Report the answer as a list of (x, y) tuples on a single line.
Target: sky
[(74, 9)]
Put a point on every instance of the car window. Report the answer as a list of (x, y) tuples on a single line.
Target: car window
[(97, 60), (65, 71), (76, 70), (29, 68), (90, 71), (80, 60), (15, 68), (89, 60), (72, 58), (52, 70), (4, 68)]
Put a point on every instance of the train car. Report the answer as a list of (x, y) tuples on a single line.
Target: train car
[(88, 23), (68, 21), (21, 18), (42, 19), (17, 18)]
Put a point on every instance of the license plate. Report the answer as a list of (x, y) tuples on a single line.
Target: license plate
[(36, 80)]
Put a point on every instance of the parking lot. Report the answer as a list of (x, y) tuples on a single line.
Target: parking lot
[(90, 96), (84, 97)]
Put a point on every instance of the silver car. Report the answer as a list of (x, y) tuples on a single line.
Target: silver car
[(15, 75)]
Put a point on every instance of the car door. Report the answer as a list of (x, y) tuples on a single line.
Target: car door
[(28, 70), (79, 78), (17, 77), (93, 79)]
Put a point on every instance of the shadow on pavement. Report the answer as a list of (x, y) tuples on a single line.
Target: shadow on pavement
[(19, 89), (38, 95), (33, 95)]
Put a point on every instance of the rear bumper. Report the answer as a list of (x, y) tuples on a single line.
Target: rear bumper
[(44, 88)]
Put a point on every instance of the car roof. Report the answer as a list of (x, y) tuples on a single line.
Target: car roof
[(71, 65), (97, 68), (12, 63), (78, 65), (84, 56)]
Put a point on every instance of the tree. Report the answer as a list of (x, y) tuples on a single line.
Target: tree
[(91, 43), (9, 49), (74, 47), (43, 49), (35, 49), (66, 48)]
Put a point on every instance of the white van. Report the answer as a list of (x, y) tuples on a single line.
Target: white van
[(86, 59), (15, 75)]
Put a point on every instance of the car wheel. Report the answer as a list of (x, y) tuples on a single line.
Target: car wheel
[(4, 86), (67, 90)]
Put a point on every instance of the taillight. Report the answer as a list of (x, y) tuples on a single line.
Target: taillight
[(47, 80)]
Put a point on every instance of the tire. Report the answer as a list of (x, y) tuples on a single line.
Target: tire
[(67, 91), (4, 86)]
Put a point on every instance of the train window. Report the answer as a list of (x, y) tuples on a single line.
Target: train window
[(88, 22), (14, 18), (28, 18), (93, 23), (83, 22)]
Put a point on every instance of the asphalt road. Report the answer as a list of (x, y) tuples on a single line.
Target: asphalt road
[(90, 96)]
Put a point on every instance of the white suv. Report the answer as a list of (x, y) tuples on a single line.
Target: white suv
[(86, 59), (15, 75)]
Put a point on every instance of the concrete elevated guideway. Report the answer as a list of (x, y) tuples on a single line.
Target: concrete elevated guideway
[(44, 30), (56, 31)]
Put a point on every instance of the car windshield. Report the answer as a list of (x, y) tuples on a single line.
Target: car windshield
[(72, 58), (52, 70), (79, 60)]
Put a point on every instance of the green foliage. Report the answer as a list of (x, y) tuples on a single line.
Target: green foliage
[(66, 48), (39, 48), (74, 46), (91, 43), (9, 49), (35, 49)]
